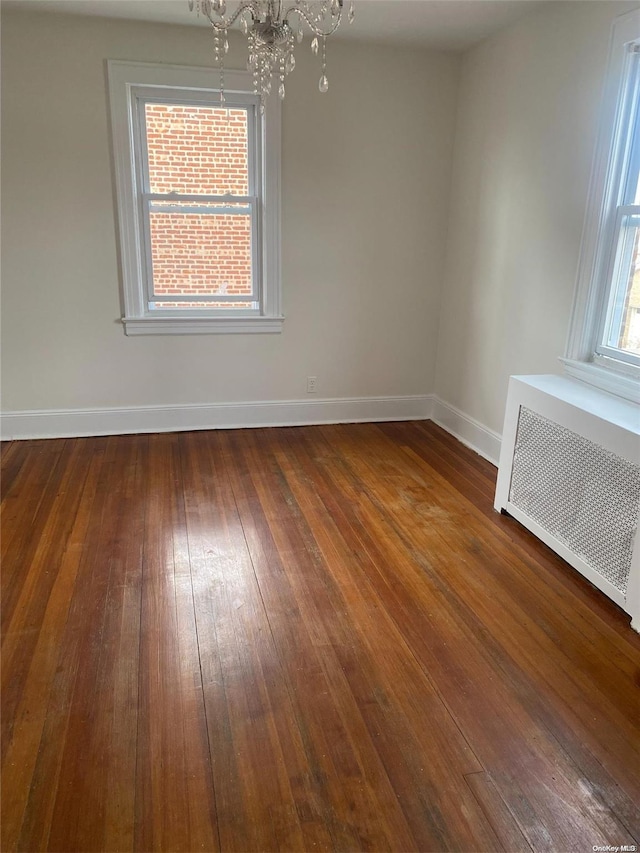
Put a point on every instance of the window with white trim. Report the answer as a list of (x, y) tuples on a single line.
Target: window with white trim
[(619, 332), (604, 341), (198, 201)]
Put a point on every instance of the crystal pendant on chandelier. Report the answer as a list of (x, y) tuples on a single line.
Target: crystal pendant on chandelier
[(272, 28)]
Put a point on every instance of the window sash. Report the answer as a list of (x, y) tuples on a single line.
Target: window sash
[(629, 143), (218, 302), (624, 171), (224, 206), (613, 311)]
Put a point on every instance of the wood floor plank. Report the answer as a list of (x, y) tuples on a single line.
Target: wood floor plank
[(174, 802), (244, 694), (442, 453), (522, 583), (497, 811), (543, 637), (25, 603), (473, 670), (394, 693), (37, 685), (13, 455), (25, 511), (99, 742), (334, 727), (316, 638)]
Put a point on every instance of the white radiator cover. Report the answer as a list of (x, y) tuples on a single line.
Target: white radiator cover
[(570, 472)]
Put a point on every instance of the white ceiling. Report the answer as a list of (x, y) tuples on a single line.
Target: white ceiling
[(442, 24)]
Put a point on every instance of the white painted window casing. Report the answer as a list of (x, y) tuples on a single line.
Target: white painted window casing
[(131, 86), (612, 217)]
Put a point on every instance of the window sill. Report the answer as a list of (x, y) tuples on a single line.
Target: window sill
[(202, 325), (619, 384)]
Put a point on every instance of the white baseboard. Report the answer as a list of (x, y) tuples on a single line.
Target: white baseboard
[(76, 423), (72, 423), (466, 429)]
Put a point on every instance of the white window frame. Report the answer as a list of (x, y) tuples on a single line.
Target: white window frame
[(586, 357), (131, 84)]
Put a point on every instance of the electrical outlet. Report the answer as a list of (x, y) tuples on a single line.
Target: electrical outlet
[(312, 384)]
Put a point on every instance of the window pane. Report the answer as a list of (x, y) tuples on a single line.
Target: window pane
[(195, 150), (635, 195), (201, 254), (623, 324), (632, 187)]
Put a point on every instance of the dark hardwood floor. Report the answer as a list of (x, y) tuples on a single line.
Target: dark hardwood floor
[(301, 639)]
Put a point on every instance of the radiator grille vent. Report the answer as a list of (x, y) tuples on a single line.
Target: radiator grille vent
[(579, 492)]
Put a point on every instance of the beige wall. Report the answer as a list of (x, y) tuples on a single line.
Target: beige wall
[(366, 173), (368, 201), (525, 137)]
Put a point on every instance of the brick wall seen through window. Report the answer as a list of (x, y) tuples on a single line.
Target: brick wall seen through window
[(198, 150)]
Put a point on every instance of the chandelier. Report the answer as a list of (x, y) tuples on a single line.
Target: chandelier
[(272, 29)]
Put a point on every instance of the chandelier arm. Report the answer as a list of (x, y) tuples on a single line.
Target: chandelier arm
[(223, 24), (317, 31), (270, 27)]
